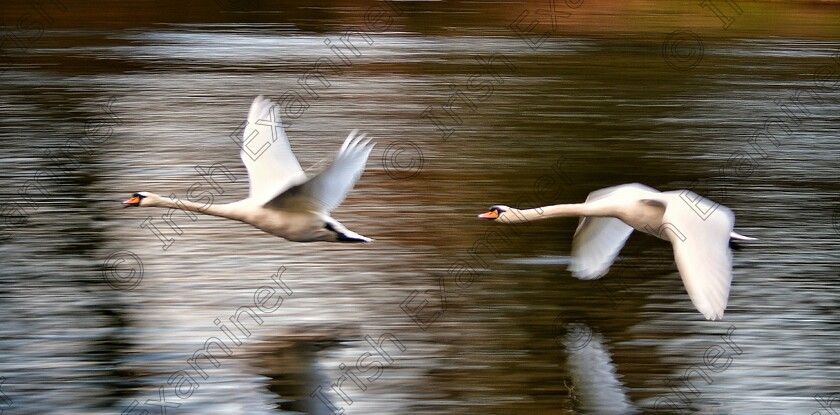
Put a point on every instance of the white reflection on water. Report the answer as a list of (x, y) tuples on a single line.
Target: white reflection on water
[(596, 385)]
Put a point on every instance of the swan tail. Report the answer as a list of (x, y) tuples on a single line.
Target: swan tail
[(737, 236)]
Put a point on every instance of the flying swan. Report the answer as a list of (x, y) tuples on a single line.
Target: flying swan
[(699, 231), (283, 201)]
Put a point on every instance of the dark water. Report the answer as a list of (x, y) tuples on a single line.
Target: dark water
[(523, 121)]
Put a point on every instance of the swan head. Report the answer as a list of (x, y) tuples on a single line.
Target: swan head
[(495, 212), (141, 199)]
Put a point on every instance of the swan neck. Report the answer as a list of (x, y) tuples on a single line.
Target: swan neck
[(212, 209), (545, 212)]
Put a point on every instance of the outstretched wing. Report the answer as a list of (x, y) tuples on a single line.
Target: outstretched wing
[(598, 240), (701, 250), (596, 245), (327, 190), (272, 167)]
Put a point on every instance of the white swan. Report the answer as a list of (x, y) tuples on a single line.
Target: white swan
[(698, 229), (282, 201)]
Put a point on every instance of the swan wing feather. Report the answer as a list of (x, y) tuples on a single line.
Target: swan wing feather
[(325, 191), (596, 245), (598, 240), (701, 249), (266, 153)]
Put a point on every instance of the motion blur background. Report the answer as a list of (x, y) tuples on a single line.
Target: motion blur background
[(580, 95)]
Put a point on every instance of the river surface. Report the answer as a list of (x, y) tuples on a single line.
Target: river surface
[(443, 313)]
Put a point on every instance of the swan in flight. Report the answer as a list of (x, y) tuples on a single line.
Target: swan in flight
[(699, 231), (283, 201)]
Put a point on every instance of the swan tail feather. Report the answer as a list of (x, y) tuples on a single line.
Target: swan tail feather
[(739, 237)]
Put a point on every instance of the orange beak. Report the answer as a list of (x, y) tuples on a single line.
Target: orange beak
[(489, 215), (134, 201)]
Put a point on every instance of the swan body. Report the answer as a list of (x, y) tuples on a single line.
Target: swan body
[(699, 231), (282, 200)]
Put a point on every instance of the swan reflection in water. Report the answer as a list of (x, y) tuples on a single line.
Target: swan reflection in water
[(294, 362), (595, 387)]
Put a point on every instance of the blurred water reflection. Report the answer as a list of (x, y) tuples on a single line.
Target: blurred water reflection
[(595, 385), (605, 108)]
